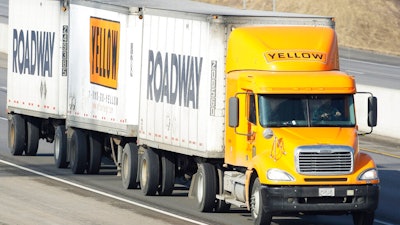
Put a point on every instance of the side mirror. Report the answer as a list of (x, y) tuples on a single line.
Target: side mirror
[(234, 112), (372, 111)]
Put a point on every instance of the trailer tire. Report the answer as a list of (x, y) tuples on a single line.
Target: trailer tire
[(149, 172), (129, 166), (60, 147), (363, 218), (32, 136), (16, 134), (206, 187), (78, 151), (167, 179), (256, 205), (95, 153)]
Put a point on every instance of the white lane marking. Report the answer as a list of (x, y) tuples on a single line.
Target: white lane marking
[(3, 89), (102, 193), (3, 118)]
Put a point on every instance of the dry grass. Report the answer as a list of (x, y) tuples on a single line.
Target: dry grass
[(369, 25)]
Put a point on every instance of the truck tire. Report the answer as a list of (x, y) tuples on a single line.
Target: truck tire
[(95, 153), (32, 136), (256, 205), (206, 187), (221, 206), (129, 166), (60, 147), (149, 172), (363, 218), (78, 151), (167, 179), (16, 134)]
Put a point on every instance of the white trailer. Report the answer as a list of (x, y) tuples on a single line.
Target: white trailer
[(37, 73)]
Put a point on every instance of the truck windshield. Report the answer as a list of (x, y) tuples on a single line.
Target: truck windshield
[(306, 110)]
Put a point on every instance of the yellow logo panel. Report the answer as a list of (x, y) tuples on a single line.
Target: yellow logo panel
[(104, 52), (311, 56)]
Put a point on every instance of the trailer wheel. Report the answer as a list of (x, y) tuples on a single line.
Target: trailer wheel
[(167, 179), (363, 218), (149, 172), (129, 166), (206, 187), (95, 150), (32, 136), (16, 134), (222, 206), (78, 151), (60, 147), (256, 204)]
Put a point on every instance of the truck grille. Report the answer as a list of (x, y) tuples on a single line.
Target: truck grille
[(324, 160)]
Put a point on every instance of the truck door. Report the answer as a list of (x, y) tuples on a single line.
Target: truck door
[(251, 123)]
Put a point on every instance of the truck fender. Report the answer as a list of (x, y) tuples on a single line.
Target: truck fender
[(247, 187)]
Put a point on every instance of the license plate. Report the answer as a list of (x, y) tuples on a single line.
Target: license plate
[(326, 192)]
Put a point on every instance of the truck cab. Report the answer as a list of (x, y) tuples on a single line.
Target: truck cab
[(292, 131)]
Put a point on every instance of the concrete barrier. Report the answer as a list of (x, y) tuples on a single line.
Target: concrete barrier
[(388, 110), (3, 38)]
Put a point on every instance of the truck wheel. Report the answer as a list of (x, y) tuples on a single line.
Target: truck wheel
[(149, 172), (129, 166), (32, 136), (60, 147), (206, 187), (167, 179), (78, 151), (222, 206), (256, 204), (363, 218), (16, 134), (95, 150)]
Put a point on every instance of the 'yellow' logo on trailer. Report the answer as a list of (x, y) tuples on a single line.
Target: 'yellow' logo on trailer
[(104, 52), (272, 56)]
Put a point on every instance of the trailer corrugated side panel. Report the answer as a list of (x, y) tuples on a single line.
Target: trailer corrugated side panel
[(104, 68), (37, 81), (180, 109)]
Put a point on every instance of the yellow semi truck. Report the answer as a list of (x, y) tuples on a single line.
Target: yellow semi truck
[(246, 107), (292, 144)]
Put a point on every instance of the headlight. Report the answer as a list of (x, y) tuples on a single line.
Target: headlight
[(279, 175), (370, 174)]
